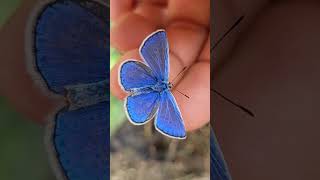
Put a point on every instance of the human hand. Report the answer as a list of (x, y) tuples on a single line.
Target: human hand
[(188, 31)]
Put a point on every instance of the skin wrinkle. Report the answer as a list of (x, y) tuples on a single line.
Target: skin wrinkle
[(185, 59)]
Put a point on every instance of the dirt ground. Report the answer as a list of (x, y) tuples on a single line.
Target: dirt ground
[(141, 153)]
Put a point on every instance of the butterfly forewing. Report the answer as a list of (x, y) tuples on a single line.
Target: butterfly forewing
[(70, 45), (135, 75), (155, 52)]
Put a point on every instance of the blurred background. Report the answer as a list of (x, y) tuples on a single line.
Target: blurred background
[(22, 151), (137, 152)]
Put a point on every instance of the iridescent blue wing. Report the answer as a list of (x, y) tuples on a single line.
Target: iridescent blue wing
[(71, 53), (81, 141), (169, 120), (155, 52), (71, 43), (218, 167), (134, 75), (140, 108)]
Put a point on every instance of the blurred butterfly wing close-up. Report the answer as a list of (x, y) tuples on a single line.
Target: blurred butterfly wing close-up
[(81, 142), (71, 45), (70, 53), (218, 168), (148, 84)]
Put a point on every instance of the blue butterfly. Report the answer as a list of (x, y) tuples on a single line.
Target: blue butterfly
[(218, 168), (149, 88), (69, 53)]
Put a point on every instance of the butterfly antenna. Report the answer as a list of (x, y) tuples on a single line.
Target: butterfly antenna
[(182, 71), (173, 81), (250, 113), (183, 94), (225, 34)]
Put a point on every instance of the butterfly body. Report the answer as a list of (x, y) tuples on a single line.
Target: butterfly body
[(149, 88), (162, 86), (159, 87)]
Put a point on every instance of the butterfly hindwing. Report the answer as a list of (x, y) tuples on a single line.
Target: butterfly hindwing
[(70, 44), (81, 142), (142, 107), (155, 52), (218, 167), (169, 120), (135, 74)]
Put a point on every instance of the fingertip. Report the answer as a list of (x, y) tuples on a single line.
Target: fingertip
[(130, 31), (205, 53), (186, 40), (115, 88), (196, 84), (198, 13), (154, 13), (120, 7)]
